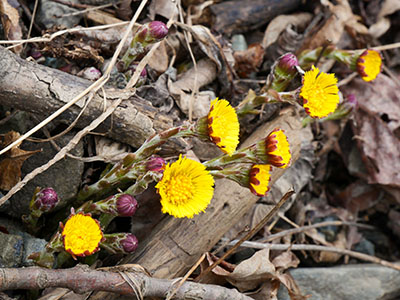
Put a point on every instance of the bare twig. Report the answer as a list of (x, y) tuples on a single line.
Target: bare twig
[(60, 155), (308, 227), (82, 279), (304, 247), (185, 278), (249, 235), (94, 87)]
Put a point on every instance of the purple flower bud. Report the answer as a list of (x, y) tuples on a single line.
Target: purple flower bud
[(152, 32), (90, 73), (126, 205), (288, 62), (156, 164), (158, 30), (132, 68), (352, 100), (35, 53), (130, 243), (45, 200)]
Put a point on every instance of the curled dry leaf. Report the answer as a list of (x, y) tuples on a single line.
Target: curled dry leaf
[(249, 60), (165, 8), (12, 160), (341, 16), (181, 89), (10, 19), (280, 23), (380, 149), (110, 150)]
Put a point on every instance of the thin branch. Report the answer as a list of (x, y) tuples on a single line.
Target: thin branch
[(125, 279), (308, 227), (94, 87), (249, 235), (60, 155), (305, 247)]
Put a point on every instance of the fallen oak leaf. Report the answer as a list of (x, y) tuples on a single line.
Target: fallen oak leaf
[(10, 19), (10, 165)]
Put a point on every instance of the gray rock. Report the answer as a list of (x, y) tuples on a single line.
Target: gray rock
[(31, 245), (64, 176), (52, 13), (362, 281), (17, 245), (11, 250)]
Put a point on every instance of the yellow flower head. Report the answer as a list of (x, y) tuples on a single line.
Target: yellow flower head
[(223, 126), (369, 64), (274, 149), (259, 179), (186, 188), (81, 235), (319, 93), (278, 149)]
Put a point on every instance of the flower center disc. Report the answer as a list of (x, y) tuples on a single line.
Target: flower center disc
[(180, 189)]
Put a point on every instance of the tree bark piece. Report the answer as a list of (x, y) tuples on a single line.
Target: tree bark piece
[(41, 90), (242, 16), (82, 279), (176, 244)]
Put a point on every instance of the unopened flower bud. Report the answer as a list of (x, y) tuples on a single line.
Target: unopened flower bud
[(152, 32), (126, 205), (130, 243), (283, 72), (120, 243), (45, 200), (123, 205), (287, 63), (90, 73), (156, 164)]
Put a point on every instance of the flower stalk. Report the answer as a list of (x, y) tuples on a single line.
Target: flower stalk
[(147, 34)]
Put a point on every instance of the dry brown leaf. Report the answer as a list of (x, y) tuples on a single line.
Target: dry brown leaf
[(280, 23), (379, 28), (10, 20), (10, 165), (380, 149), (248, 61), (250, 273), (165, 8), (379, 97), (110, 150), (160, 60), (389, 7), (285, 260), (341, 16), (181, 89)]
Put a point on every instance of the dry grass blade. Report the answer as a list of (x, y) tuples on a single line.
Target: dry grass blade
[(60, 155), (304, 247), (94, 87)]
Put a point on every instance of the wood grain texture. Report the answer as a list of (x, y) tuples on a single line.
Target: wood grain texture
[(42, 90), (176, 244)]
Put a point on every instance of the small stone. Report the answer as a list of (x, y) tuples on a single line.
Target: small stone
[(362, 281), (51, 14)]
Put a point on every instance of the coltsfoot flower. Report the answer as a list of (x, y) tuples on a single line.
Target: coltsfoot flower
[(369, 65), (45, 200), (259, 179), (275, 149), (186, 188), (319, 93), (223, 125), (81, 235)]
